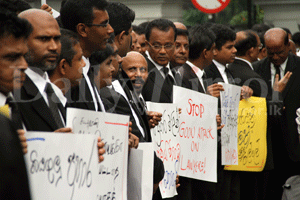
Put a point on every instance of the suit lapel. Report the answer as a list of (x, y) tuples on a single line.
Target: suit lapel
[(290, 66), (193, 79), (39, 105)]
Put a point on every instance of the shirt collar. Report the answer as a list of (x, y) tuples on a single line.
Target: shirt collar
[(39, 81), (283, 65), (159, 67), (86, 68), (242, 59), (2, 99), (220, 66), (59, 94), (199, 72)]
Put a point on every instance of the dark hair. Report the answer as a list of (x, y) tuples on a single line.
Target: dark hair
[(200, 38), (160, 24), (79, 11), (287, 30), (286, 39), (138, 29), (223, 34), (260, 28), (100, 56), (120, 17), (182, 32), (10, 24), (296, 38), (144, 25), (15, 6), (68, 40), (244, 45)]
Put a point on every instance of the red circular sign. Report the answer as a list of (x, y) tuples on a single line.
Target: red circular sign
[(210, 6)]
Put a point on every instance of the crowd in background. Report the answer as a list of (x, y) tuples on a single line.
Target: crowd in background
[(92, 57)]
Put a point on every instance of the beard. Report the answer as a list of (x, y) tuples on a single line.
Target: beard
[(41, 63)]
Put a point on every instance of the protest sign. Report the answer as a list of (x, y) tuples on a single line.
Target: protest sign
[(197, 134), (62, 166), (147, 178), (135, 165), (166, 145), (113, 130), (230, 99), (252, 130)]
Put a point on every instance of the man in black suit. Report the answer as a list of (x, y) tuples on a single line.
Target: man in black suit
[(13, 47), (160, 35), (248, 45), (285, 137), (90, 21), (39, 106)]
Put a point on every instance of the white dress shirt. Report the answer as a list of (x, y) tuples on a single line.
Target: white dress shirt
[(199, 72), (221, 69), (273, 71)]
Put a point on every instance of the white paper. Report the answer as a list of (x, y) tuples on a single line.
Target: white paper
[(135, 165), (166, 145), (230, 99), (62, 166), (147, 170), (113, 130), (197, 134)]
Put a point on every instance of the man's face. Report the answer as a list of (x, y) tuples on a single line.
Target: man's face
[(277, 51), (99, 35), (181, 52), (141, 39), (125, 47), (44, 45), (74, 72), (135, 46), (256, 49), (161, 55), (226, 54), (12, 63), (137, 70), (104, 76)]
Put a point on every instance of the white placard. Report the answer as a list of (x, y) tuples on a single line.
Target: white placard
[(62, 166), (197, 134), (135, 165), (113, 129), (166, 145), (147, 170), (230, 99)]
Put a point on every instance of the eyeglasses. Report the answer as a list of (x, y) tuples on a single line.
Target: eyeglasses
[(159, 47), (104, 25)]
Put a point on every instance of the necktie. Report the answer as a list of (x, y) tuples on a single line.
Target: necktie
[(4, 110), (277, 67), (229, 76), (168, 78), (53, 105)]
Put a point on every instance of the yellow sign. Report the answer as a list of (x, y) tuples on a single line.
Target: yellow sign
[(252, 135)]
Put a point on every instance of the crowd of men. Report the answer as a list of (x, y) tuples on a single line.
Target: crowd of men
[(92, 57)]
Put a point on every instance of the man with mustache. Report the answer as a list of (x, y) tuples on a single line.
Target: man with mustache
[(39, 105)]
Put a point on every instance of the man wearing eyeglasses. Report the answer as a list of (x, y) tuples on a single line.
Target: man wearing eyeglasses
[(248, 46), (90, 21), (160, 38)]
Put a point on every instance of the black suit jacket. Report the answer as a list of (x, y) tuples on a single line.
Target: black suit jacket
[(213, 75), (189, 79), (35, 113), (285, 137), (154, 89), (244, 75), (14, 180)]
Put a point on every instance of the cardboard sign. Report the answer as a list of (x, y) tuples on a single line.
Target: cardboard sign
[(113, 130), (230, 99), (62, 166), (166, 145), (252, 130), (197, 134)]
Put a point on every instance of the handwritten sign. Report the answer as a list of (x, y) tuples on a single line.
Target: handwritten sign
[(230, 99), (113, 130), (197, 134), (252, 130), (62, 166), (166, 145)]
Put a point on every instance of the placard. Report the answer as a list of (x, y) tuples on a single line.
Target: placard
[(166, 145), (62, 166), (252, 135), (230, 99), (197, 134), (113, 130)]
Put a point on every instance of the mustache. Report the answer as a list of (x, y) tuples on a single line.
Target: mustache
[(51, 54), (138, 80)]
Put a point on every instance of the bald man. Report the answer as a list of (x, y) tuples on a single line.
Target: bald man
[(285, 138), (180, 25), (40, 108)]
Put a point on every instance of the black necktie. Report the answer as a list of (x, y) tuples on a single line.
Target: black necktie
[(229, 76), (168, 78), (53, 105), (277, 67)]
